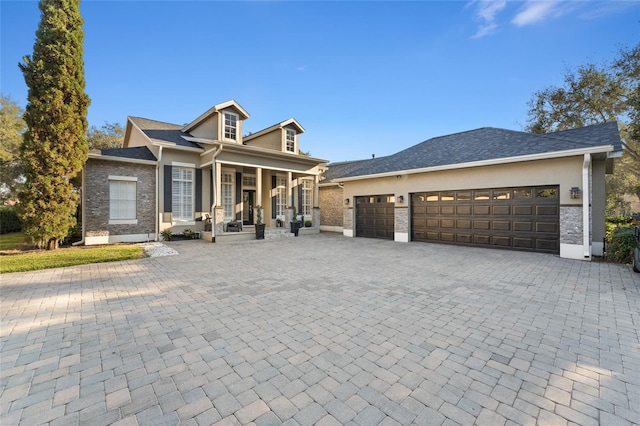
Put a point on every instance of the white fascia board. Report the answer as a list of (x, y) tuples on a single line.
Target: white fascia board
[(279, 169), (263, 152), (492, 162), (122, 159), (172, 145)]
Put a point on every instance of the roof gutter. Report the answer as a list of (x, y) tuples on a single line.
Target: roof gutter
[(496, 161)]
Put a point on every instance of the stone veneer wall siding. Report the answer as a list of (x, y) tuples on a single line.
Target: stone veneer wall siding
[(571, 225), (331, 210), (96, 198), (401, 219), (347, 218)]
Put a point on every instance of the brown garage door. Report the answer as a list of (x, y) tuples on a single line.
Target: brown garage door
[(375, 217), (525, 218)]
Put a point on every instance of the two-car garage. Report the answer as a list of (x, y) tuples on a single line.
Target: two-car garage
[(487, 187), (521, 218)]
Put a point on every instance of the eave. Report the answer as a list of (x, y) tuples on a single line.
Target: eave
[(605, 149), (97, 156)]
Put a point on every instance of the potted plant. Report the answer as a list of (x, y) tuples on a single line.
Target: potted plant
[(307, 224), (295, 223), (259, 224)]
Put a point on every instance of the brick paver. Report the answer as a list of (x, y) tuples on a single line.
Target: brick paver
[(322, 329)]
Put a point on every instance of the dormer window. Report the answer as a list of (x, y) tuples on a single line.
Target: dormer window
[(230, 126), (290, 142)]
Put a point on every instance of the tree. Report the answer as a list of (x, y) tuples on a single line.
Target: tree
[(595, 94), (54, 148), (110, 135), (12, 127)]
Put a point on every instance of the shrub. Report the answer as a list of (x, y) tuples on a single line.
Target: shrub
[(9, 220), (620, 248), (166, 234)]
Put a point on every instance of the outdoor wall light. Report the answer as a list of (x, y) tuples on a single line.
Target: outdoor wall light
[(346, 201), (575, 192), (401, 198)]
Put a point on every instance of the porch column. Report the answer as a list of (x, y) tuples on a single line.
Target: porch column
[(218, 188), (259, 186), (290, 189), (316, 192)]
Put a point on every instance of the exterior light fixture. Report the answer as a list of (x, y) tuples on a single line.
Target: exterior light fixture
[(575, 192), (346, 201), (401, 198)]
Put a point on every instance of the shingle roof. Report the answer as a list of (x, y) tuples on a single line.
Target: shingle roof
[(348, 168), (165, 132), (482, 144), (136, 153)]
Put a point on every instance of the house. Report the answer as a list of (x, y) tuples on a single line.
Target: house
[(202, 176), (486, 187)]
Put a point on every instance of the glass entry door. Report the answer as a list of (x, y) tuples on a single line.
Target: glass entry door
[(247, 207)]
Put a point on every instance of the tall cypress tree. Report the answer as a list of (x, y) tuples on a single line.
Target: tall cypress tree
[(54, 148)]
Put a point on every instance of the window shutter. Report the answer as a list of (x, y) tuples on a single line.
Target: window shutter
[(198, 190), (167, 188), (273, 197)]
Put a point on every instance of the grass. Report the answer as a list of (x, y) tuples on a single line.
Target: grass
[(14, 260), (14, 241)]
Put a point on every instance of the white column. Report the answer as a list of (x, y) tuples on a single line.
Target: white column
[(259, 186), (290, 189), (316, 192)]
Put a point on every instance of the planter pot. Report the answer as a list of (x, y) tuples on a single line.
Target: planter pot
[(295, 227), (260, 231)]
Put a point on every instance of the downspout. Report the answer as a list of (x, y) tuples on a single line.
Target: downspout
[(586, 206), (158, 216), (214, 201)]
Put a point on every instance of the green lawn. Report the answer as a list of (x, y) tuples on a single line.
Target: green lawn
[(13, 241), (13, 260)]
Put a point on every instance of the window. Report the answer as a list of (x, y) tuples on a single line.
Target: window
[(230, 126), (182, 193), (227, 195), (291, 141), (249, 181), (307, 197), (122, 199), (281, 195)]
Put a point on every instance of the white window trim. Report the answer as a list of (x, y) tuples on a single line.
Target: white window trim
[(232, 172), (283, 179), (224, 125), (186, 165), (191, 221), (295, 141), (310, 181), (124, 221)]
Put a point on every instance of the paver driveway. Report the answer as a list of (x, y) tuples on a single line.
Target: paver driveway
[(323, 329)]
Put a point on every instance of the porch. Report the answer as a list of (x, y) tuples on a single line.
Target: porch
[(248, 233)]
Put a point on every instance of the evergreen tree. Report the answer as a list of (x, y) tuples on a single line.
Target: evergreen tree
[(54, 148)]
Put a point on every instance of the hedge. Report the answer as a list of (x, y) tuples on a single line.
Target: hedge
[(9, 221), (620, 248)]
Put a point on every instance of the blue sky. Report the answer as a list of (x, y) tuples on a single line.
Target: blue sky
[(362, 77)]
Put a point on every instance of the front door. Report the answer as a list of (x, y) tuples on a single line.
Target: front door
[(247, 207)]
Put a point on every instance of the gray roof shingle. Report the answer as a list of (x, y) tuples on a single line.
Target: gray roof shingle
[(165, 132), (482, 144), (136, 153)]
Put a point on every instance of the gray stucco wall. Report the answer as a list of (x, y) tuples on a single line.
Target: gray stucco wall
[(96, 198)]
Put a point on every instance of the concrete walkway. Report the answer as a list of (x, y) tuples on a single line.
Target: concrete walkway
[(323, 330)]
